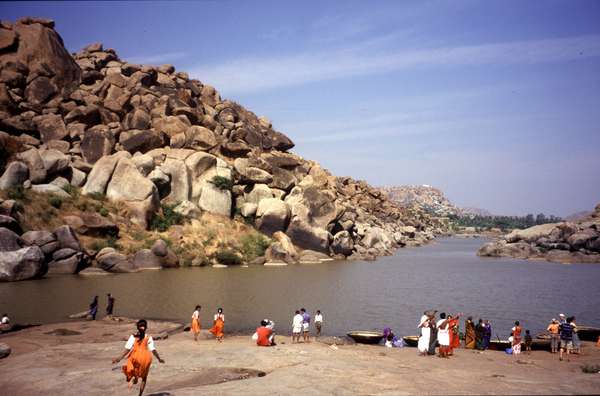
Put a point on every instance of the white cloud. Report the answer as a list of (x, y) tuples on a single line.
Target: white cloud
[(259, 73)]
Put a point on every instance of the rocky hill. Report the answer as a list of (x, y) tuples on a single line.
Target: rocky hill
[(430, 199), (565, 242), (121, 167)]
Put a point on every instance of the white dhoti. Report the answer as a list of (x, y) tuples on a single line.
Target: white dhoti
[(423, 344)]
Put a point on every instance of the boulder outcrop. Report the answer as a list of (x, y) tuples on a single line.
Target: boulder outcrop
[(565, 242), (145, 137)]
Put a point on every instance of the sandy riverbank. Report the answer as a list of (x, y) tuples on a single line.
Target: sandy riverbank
[(55, 360)]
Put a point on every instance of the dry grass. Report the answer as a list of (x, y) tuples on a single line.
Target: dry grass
[(198, 239)]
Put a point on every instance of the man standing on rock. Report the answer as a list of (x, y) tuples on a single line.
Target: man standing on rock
[(296, 327), (94, 308), (305, 325), (110, 306)]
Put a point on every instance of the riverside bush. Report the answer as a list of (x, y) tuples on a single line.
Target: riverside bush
[(17, 192), (166, 218), (228, 257), (253, 246)]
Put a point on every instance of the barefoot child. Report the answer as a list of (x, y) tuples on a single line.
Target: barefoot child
[(138, 347), (528, 342), (196, 322)]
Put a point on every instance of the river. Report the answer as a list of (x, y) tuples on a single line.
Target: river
[(393, 291)]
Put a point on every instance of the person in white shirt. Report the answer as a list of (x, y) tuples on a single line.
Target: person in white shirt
[(297, 326), (5, 319), (318, 322), (443, 335)]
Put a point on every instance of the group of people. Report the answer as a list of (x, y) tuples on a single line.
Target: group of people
[(110, 306), (563, 336), (301, 325), (216, 329), (477, 336), (444, 332)]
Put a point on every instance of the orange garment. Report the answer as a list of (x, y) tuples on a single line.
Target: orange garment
[(195, 325), (263, 336), (138, 361), (553, 328), (454, 336), (598, 343), (516, 333), (217, 329)]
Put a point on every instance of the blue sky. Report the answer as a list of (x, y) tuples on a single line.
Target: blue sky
[(494, 102)]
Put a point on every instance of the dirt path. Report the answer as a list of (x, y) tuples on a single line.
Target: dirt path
[(46, 361)]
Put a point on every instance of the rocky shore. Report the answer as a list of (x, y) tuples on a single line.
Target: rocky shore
[(564, 242), (128, 148), (75, 358)]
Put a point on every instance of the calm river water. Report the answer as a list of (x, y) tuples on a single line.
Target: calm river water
[(392, 291)]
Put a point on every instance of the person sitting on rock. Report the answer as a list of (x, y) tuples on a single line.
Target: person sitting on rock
[(264, 334), (5, 320)]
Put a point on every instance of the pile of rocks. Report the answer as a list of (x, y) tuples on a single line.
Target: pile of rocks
[(566, 242), (146, 135)]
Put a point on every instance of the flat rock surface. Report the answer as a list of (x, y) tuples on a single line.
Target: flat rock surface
[(44, 361)]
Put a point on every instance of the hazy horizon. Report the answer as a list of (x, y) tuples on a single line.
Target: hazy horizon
[(495, 103)]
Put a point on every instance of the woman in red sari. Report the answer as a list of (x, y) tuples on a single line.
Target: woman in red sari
[(454, 333)]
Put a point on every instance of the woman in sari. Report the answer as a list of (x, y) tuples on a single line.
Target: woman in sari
[(516, 338), (454, 333), (219, 324), (196, 322), (469, 333), (140, 348)]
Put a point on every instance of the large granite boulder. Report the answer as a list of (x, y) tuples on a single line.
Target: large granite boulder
[(580, 239), (67, 261), (54, 161), (25, 263), (44, 239), (145, 259), (215, 200), (15, 175), (115, 262), (92, 224), (41, 50), (51, 127), (9, 241), (342, 243), (10, 223), (272, 215), (282, 250), (98, 179), (35, 164), (531, 234), (67, 238), (128, 185), (97, 143)]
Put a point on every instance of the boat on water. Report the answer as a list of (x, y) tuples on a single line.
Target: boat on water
[(588, 333), (499, 345), (366, 337), (585, 333), (411, 341)]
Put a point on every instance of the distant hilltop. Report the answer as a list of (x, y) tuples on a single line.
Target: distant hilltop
[(430, 199)]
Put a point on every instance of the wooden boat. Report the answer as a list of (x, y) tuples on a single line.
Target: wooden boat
[(588, 333), (366, 337), (411, 341), (499, 345), (539, 344)]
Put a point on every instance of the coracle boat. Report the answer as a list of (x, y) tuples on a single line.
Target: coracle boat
[(587, 333), (411, 341), (499, 345), (366, 337)]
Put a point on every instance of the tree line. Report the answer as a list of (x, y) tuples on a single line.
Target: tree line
[(503, 222)]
